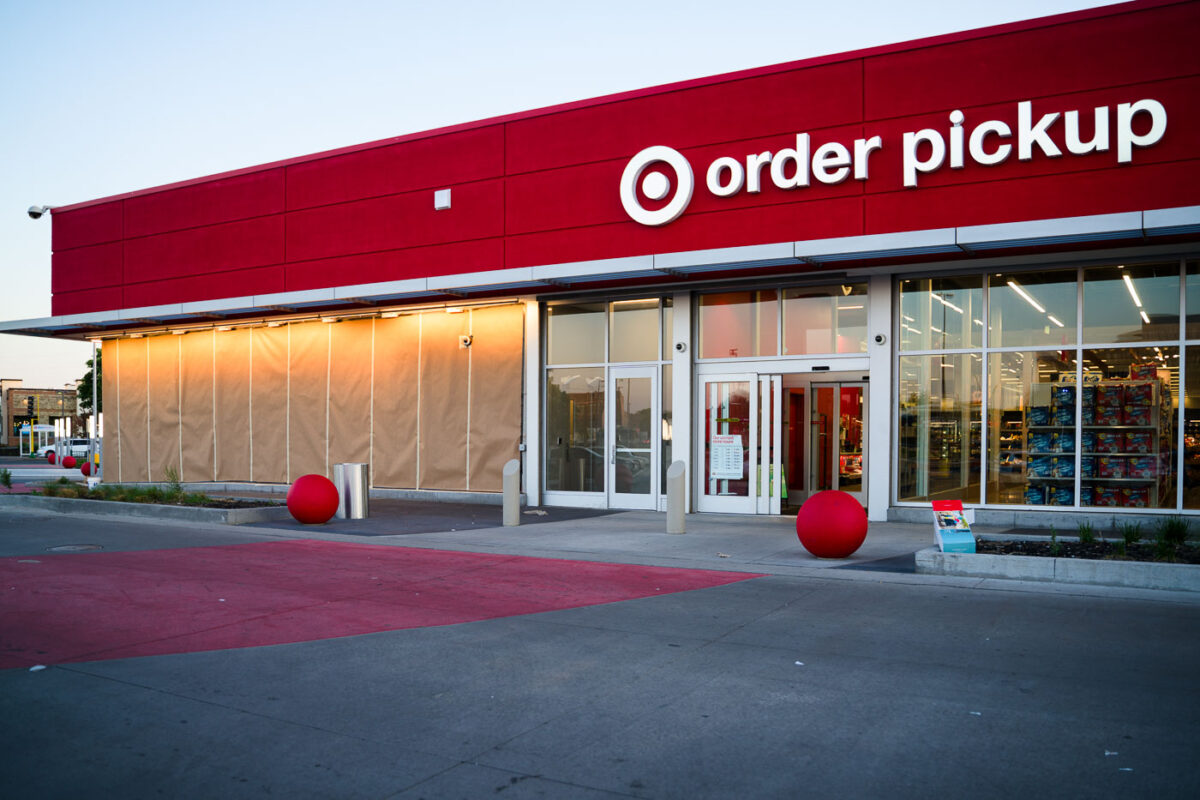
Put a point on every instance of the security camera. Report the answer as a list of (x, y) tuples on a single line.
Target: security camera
[(464, 341), (35, 212), (681, 347), (880, 338)]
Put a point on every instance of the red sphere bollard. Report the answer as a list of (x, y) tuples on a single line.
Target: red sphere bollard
[(831, 524), (51, 456), (68, 462), (313, 499), (86, 468)]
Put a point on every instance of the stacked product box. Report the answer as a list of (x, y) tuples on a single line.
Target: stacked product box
[(1122, 428)]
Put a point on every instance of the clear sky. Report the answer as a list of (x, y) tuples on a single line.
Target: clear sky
[(100, 98)]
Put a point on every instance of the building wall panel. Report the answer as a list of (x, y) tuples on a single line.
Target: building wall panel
[(133, 462), (110, 404), (213, 248), (80, 227), (392, 265), (497, 349), (232, 397), (1044, 61), (308, 399), (444, 402), (350, 389), (432, 162), (88, 267), (395, 222), (263, 280), (197, 379), (269, 405), (228, 199), (165, 436), (397, 376)]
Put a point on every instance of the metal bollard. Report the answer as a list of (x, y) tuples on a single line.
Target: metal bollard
[(512, 493), (353, 494), (676, 495)]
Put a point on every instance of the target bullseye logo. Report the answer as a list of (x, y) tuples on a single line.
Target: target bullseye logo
[(656, 185)]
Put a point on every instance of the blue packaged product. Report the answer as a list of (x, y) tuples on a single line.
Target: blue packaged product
[(1064, 396), (1085, 495), (1039, 415), (1041, 442), (1087, 466), (1064, 415), (1035, 496), (1088, 440), (1089, 397), (1062, 496), (1089, 415), (1062, 467), (1039, 467), (1064, 442)]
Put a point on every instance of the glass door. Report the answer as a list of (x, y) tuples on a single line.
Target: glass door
[(633, 424), (728, 423), (837, 443)]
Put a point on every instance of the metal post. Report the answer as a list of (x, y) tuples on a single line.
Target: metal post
[(676, 494), (95, 414), (352, 481), (512, 493)]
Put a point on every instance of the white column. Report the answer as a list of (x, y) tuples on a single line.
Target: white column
[(879, 424), (681, 389), (532, 457)]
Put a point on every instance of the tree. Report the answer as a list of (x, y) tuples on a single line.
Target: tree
[(85, 386)]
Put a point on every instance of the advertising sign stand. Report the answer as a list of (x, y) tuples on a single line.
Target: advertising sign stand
[(950, 527)]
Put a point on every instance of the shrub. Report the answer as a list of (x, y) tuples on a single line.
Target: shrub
[(6, 478), (1087, 533), (174, 488), (1173, 530), (1131, 532)]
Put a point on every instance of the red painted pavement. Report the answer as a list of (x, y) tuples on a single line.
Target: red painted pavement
[(94, 606)]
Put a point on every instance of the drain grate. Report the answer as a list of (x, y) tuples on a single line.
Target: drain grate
[(74, 548)]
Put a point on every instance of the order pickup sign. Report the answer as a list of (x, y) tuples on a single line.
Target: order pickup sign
[(950, 527)]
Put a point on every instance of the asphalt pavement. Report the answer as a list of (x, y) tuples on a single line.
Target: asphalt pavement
[(785, 676)]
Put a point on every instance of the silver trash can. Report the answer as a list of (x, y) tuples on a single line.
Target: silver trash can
[(352, 485)]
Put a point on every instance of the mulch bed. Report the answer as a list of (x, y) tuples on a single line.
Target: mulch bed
[(1142, 551)]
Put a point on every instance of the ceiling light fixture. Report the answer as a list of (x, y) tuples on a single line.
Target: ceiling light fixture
[(1016, 288)]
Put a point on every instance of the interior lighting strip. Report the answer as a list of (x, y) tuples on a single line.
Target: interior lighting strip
[(1016, 288)]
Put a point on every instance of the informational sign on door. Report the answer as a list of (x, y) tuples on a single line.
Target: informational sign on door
[(725, 457)]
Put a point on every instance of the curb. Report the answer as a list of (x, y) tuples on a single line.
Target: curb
[(111, 508), (1129, 574)]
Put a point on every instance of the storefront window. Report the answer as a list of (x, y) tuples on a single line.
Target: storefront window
[(575, 333), (633, 334), (825, 319), (1131, 303), (575, 429), (939, 435), (1127, 436), (1191, 430), (1193, 301), (1032, 433), (739, 324), (1032, 309), (941, 313)]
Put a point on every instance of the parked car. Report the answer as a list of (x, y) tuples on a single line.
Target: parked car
[(71, 447)]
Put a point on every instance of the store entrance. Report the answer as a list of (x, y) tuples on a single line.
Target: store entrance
[(771, 441)]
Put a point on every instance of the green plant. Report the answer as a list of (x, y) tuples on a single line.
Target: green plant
[(1131, 532), (1173, 530), (173, 488), (1054, 545), (6, 478), (1087, 533)]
